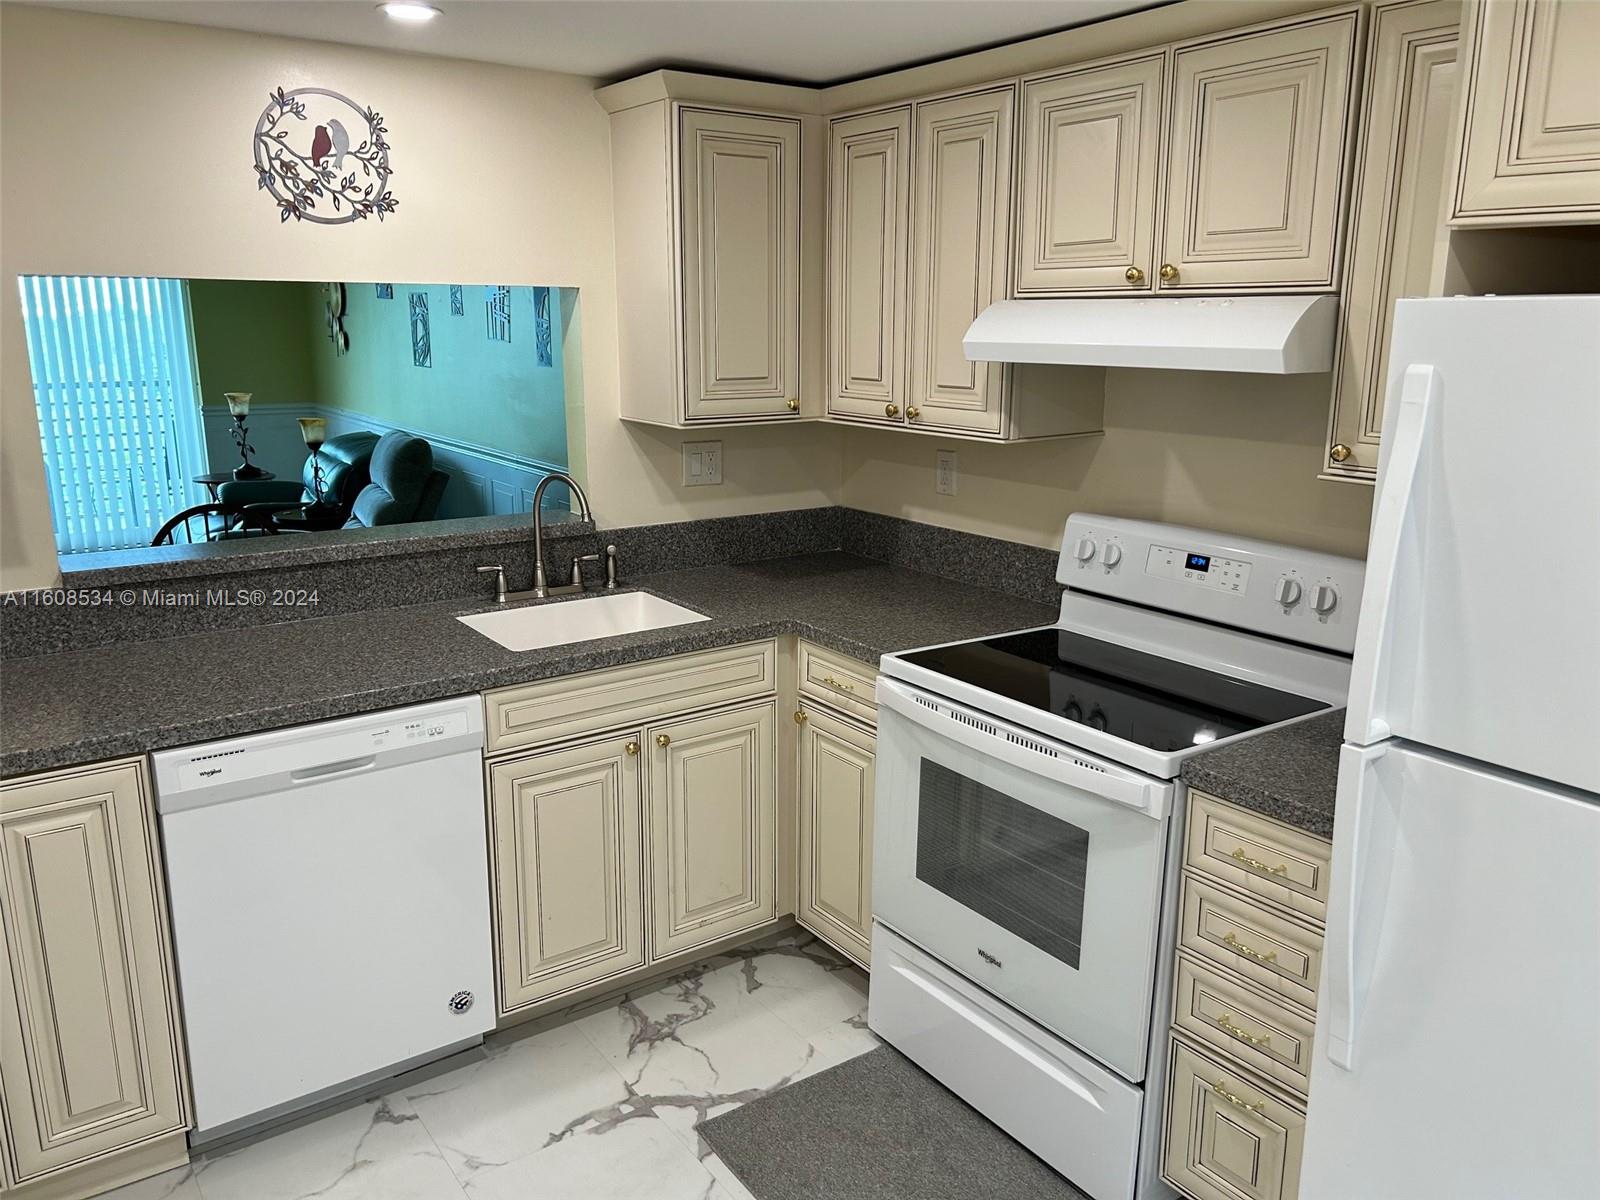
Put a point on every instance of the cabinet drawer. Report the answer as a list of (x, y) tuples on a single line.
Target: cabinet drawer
[(1227, 1138), (1245, 1024), (1265, 947), (555, 709), (846, 684), (1259, 855)]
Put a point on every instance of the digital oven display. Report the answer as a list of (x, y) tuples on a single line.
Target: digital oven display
[(1198, 562)]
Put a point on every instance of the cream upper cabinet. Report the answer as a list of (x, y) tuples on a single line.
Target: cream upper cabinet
[(1397, 228), (960, 219), (740, 177), (90, 1051), (1257, 154), (1530, 117), (836, 779), (1091, 149), (869, 186), (713, 824), (566, 828)]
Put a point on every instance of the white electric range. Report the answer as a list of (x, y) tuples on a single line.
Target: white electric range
[(1029, 822)]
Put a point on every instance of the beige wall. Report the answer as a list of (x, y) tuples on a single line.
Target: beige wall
[(126, 150), (1237, 453)]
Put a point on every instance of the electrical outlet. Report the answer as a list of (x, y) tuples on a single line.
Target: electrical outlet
[(702, 463), (944, 474)]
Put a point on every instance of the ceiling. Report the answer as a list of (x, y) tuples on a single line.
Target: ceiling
[(799, 41)]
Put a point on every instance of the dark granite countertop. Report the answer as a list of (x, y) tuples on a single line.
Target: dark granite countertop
[(85, 706), (1290, 774)]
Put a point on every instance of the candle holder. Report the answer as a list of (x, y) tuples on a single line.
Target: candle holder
[(314, 430), (239, 409)]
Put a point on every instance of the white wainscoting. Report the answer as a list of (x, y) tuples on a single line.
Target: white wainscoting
[(483, 482)]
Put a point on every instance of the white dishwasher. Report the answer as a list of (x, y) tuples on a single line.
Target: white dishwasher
[(330, 905)]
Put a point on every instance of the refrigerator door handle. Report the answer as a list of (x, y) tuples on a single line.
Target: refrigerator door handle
[(1397, 504), (1364, 836)]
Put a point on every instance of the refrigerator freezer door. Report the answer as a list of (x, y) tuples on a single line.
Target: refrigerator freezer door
[(1460, 978), (1478, 631)]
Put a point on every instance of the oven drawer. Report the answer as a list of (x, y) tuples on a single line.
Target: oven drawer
[(846, 684), (1227, 1137), (1073, 1113), (1259, 855), (1261, 1032), (1271, 950)]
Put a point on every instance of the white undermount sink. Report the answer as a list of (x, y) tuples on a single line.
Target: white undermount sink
[(541, 625)]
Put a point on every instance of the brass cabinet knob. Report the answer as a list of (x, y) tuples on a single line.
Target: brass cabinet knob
[(1134, 276), (799, 718), (1168, 272), (663, 740), (913, 413), (891, 410), (1339, 452), (632, 748), (794, 405)]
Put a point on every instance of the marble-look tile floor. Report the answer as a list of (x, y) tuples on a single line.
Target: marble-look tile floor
[(602, 1107)]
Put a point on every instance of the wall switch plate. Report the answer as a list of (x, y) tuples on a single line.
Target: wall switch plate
[(702, 463), (944, 475)]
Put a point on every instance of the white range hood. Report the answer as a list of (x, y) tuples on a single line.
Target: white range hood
[(1266, 335)]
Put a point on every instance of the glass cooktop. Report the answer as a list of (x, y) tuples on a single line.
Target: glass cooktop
[(1139, 697)]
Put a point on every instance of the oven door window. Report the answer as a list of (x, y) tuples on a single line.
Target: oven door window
[(1004, 860)]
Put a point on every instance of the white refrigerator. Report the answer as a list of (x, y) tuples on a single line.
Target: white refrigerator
[(1458, 1029)]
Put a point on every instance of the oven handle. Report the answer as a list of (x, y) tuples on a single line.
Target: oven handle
[(953, 722)]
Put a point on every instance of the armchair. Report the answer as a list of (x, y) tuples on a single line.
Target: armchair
[(345, 462)]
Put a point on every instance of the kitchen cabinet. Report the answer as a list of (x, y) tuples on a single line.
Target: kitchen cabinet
[(1229, 1138), (1260, 124), (1530, 115), (1397, 230), (710, 261), (1091, 151), (566, 827), (713, 825), (960, 252), (869, 186), (837, 759), (91, 1058)]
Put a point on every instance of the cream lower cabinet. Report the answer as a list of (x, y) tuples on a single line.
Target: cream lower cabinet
[(91, 1059), (1530, 114), (837, 762), (1257, 155), (1397, 227)]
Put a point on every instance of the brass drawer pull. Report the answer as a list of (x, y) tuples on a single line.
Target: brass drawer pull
[(663, 740), (792, 404), (632, 749), (1339, 452), (1134, 275), (1260, 1106), (800, 718), (837, 683), (891, 410), (913, 413), (1255, 864), (1168, 272), (1232, 1030), (1238, 947)]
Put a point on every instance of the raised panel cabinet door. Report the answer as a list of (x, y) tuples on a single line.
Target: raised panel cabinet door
[(1402, 176), (90, 1057), (1091, 147), (1530, 141), (836, 779), (1256, 158), (960, 206), (740, 208), (1228, 1138), (713, 824), (869, 187), (566, 827)]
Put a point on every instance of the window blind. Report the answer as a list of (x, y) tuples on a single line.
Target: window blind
[(119, 406)]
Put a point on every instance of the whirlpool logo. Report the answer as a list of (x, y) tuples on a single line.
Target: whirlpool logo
[(989, 958), (210, 771)]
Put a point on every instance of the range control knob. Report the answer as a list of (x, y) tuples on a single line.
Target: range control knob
[(1324, 598), (1288, 591), (1085, 549), (1111, 555)]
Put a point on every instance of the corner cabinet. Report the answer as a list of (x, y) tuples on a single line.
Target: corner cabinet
[(710, 262), (1530, 115), (91, 1059), (1396, 237)]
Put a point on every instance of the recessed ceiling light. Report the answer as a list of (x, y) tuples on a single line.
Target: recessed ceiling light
[(410, 14)]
